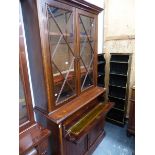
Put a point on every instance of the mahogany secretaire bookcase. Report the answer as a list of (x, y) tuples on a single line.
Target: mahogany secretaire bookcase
[(61, 38)]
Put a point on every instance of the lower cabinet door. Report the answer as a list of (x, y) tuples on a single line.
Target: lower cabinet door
[(76, 148), (97, 130)]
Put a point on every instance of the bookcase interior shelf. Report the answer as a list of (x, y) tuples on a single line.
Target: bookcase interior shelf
[(118, 68), (118, 80), (117, 91)]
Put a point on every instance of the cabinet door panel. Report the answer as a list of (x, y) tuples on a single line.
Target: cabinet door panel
[(61, 44), (96, 131), (86, 40), (79, 148)]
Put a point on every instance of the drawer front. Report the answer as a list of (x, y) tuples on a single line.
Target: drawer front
[(96, 131)]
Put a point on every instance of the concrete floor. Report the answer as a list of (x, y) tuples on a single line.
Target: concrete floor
[(116, 142)]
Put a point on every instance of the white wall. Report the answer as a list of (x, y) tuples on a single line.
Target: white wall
[(99, 3), (120, 17), (119, 23)]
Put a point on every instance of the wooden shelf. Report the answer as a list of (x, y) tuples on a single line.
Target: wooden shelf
[(58, 79), (115, 120), (119, 109), (117, 86), (68, 34), (59, 34), (122, 62), (76, 104), (117, 97), (114, 73)]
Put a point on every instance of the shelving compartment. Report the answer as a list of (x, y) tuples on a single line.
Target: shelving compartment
[(120, 58), (117, 80), (117, 92), (101, 58), (116, 115), (101, 80), (119, 104), (101, 68), (118, 68)]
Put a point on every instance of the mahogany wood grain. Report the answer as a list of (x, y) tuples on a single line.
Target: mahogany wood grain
[(49, 114), (83, 5), (69, 108), (32, 137)]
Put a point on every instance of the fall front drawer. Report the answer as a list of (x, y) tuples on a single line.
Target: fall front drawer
[(80, 128)]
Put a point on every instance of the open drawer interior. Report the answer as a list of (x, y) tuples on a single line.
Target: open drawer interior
[(83, 125)]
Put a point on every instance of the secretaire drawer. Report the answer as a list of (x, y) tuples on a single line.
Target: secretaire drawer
[(87, 122)]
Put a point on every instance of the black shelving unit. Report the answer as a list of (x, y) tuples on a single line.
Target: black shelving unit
[(118, 85), (101, 70)]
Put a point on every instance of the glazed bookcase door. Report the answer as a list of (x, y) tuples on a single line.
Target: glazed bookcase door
[(61, 39), (87, 48)]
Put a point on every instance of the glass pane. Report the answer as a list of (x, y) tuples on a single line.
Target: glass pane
[(23, 116), (61, 40), (86, 51)]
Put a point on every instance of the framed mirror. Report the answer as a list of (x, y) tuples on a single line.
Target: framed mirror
[(26, 117)]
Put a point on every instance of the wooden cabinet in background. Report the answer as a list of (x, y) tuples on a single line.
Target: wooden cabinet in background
[(34, 141), (120, 64), (131, 123)]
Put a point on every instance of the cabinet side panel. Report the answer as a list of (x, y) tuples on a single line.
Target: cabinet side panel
[(30, 19), (54, 145)]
